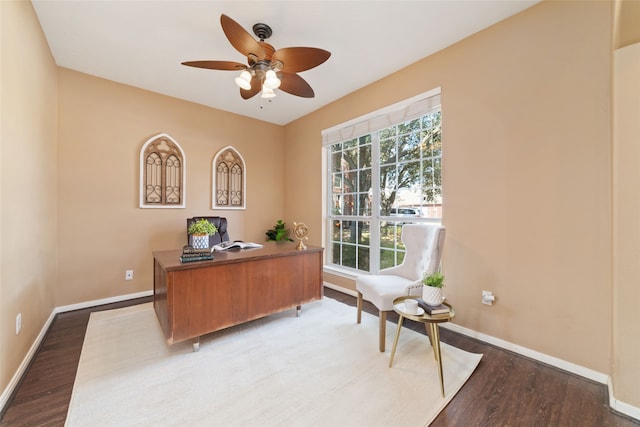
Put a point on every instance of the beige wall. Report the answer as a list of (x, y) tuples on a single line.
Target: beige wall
[(28, 196), (102, 231), (627, 21), (626, 203), (526, 131)]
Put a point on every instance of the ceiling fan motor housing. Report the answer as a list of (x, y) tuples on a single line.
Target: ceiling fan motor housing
[(262, 31)]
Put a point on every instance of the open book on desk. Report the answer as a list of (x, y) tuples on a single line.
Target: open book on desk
[(238, 244)]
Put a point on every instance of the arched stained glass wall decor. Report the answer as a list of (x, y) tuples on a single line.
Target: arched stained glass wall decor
[(162, 173), (229, 180)]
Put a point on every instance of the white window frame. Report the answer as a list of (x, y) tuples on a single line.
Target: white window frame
[(370, 123)]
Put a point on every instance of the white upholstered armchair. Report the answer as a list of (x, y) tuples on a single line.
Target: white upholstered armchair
[(423, 244)]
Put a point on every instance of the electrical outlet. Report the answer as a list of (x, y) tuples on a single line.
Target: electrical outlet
[(18, 323), (488, 298), (128, 275)]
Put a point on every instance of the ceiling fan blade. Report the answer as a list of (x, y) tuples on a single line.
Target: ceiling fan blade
[(240, 38), (216, 65), (256, 86), (296, 59), (295, 85)]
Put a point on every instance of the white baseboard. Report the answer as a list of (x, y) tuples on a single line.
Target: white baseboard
[(617, 405), (622, 407), (532, 354), (15, 380), (94, 303)]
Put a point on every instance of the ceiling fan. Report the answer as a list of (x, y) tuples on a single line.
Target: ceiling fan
[(267, 68)]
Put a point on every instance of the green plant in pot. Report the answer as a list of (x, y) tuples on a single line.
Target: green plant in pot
[(432, 289), (200, 231), (279, 232)]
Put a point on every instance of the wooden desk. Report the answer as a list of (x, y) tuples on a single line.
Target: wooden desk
[(194, 299)]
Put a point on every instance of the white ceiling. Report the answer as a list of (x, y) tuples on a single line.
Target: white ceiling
[(142, 43)]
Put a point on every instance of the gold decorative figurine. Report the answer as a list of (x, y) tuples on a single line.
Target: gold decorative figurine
[(300, 230)]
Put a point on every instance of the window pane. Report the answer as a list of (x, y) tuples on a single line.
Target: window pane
[(364, 205), (364, 233), (388, 151), (336, 161), (388, 133), (391, 246), (389, 235), (366, 139), (409, 127), (364, 180), (365, 156), (409, 179), (350, 159), (348, 205), (336, 179), (409, 147), (335, 251), (363, 258), (349, 256), (388, 178), (336, 234), (350, 144)]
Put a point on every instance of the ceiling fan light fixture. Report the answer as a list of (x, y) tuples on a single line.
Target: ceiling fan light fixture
[(266, 66), (271, 80), (267, 92), (244, 80)]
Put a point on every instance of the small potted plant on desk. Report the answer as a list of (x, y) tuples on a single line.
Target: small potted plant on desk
[(432, 289), (200, 232), (279, 232)]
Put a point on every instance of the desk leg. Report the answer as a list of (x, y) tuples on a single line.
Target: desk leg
[(435, 342), (395, 342), (196, 344), (298, 310)]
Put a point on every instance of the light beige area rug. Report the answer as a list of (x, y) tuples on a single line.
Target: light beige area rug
[(319, 369)]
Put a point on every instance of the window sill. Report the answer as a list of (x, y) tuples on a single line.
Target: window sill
[(341, 272)]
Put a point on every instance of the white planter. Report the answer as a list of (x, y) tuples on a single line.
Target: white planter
[(200, 241), (431, 295)]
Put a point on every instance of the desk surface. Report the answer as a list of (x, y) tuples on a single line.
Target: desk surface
[(170, 259)]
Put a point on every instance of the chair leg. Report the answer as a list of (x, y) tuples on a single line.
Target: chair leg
[(359, 305), (383, 329)]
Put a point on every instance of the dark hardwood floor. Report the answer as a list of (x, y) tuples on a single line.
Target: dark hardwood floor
[(505, 390)]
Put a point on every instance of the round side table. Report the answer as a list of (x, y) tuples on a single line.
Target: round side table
[(431, 324)]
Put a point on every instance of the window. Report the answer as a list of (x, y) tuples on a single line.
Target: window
[(162, 173), (386, 173), (229, 180)]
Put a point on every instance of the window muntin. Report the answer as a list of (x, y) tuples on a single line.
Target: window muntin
[(365, 220)]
